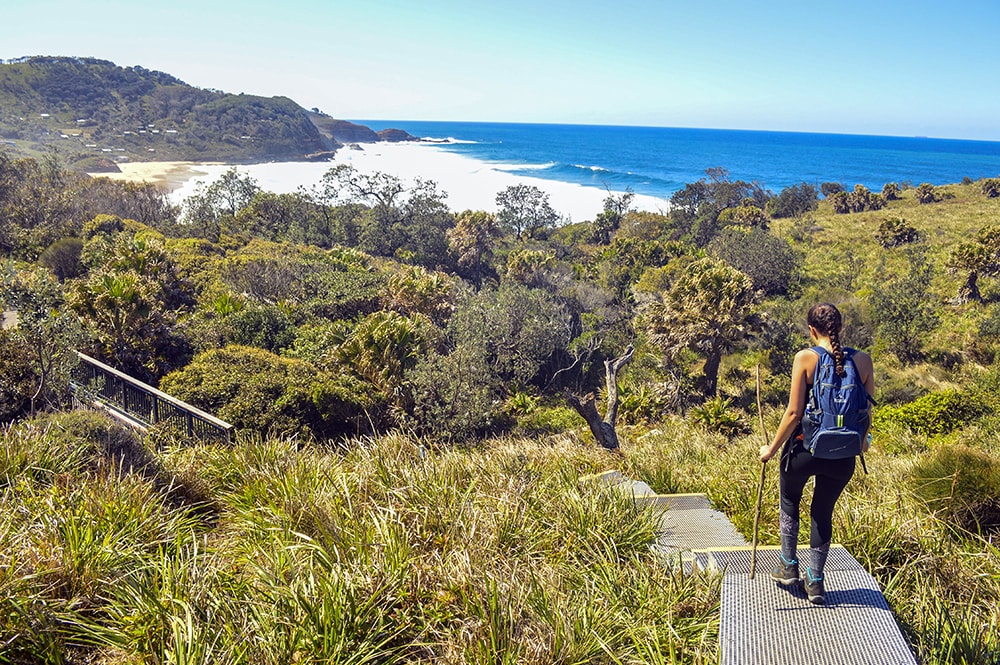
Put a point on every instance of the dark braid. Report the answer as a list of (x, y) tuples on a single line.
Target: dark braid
[(825, 318)]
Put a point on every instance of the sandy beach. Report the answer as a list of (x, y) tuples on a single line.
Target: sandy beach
[(468, 183), (169, 176)]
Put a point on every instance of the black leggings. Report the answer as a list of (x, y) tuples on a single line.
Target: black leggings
[(832, 476)]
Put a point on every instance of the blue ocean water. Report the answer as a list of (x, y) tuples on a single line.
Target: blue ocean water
[(660, 160)]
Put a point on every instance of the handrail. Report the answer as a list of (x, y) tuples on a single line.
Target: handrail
[(142, 403)]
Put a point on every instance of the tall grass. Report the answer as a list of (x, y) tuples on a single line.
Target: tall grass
[(393, 550)]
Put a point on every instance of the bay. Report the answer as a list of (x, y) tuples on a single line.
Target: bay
[(658, 161)]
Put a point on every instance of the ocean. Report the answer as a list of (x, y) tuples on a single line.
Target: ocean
[(577, 165), (658, 161)]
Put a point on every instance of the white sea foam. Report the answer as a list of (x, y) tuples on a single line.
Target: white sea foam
[(468, 183)]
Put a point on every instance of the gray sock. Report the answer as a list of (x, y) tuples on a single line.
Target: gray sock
[(788, 527), (817, 560)]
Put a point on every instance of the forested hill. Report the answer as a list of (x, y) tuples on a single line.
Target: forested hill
[(87, 110)]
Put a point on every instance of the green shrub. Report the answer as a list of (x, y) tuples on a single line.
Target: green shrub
[(890, 191), (640, 402), (793, 201), (769, 261), (454, 395), (960, 479), (266, 327), (895, 231), (549, 420), (830, 188), (716, 415), (258, 390), (991, 187), (859, 200), (63, 258), (926, 193), (747, 216), (17, 377), (933, 414)]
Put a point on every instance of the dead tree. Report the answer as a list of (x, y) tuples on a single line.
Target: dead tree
[(603, 429)]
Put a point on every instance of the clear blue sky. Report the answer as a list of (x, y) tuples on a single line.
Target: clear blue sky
[(896, 68)]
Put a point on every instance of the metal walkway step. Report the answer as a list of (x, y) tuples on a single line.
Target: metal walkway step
[(690, 524), (761, 622), (764, 623)]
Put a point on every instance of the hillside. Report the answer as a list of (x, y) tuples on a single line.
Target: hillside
[(398, 375), (85, 110)]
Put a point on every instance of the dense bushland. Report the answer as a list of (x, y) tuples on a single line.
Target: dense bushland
[(405, 484)]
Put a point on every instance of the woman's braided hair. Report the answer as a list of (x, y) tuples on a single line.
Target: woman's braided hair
[(825, 318)]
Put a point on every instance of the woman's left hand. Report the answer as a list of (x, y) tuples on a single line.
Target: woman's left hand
[(765, 453)]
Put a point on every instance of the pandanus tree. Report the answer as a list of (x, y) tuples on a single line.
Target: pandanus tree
[(975, 258), (708, 308)]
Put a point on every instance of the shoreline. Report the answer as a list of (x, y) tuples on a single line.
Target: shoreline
[(167, 176), (469, 184)]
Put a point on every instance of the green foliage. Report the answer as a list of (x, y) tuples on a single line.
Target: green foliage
[(546, 420), (472, 241), (902, 309), (17, 377), (382, 347), (130, 301), (926, 193), (37, 205), (990, 187), (890, 191), (932, 414), (256, 390), (707, 309), (794, 201), (975, 258), (620, 266), (408, 223), (455, 395), (143, 111), (828, 189), (415, 291), (524, 210), (515, 329), (213, 208), (269, 327), (717, 415), (767, 260), (695, 210), (642, 402), (45, 335), (63, 258), (895, 231), (860, 200), (746, 216), (616, 207)]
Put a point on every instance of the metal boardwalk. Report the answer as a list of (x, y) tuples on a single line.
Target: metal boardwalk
[(761, 622)]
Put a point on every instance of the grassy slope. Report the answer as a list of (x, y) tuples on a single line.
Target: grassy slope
[(941, 225), (117, 551), (393, 552)]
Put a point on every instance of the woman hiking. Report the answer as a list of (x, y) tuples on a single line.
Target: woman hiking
[(798, 464)]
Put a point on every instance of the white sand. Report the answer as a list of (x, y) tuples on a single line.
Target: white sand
[(468, 183), (169, 176)]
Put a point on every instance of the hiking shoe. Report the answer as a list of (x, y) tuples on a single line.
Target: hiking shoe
[(786, 573), (814, 588)]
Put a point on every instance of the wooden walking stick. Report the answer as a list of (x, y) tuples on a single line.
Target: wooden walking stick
[(760, 488)]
